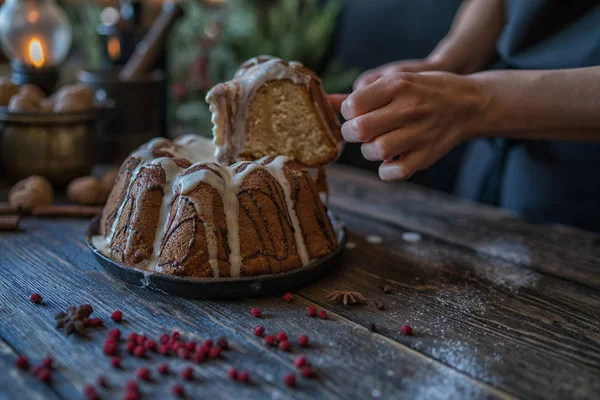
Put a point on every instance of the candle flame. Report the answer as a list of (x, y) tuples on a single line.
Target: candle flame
[(114, 47), (36, 53)]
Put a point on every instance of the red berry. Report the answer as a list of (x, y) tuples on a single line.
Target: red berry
[(243, 377), (322, 314), (187, 373), (300, 362), (143, 373), (208, 343), (290, 379), (95, 322), (163, 349), (175, 335), (164, 338), (287, 297), (22, 362), (132, 337), (110, 347), (199, 357), (114, 333), (139, 351), (311, 311), (141, 339), (178, 390), (183, 353), (163, 369), (270, 340), (131, 346), (117, 316), (90, 392), (303, 340), (406, 330), (44, 375), (115, 362), (131, 386), (223, 343), (47, 362), (101, 381), (307, 372), (131, 396), (191, 346), (284, 345), (281, 336), (36, 298), (256, 312), (175, 346), (150, 345), (214, 352), (232, 373), (259, 330)]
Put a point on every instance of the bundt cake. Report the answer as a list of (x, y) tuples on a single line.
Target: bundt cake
[(173, 210), (271, 108)]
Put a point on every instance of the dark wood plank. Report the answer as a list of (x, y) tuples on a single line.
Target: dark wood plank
[(50, 257), (530, 334), (561, 251), (15, 383)]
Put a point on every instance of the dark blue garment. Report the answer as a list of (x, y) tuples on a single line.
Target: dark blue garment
[(543, 181)]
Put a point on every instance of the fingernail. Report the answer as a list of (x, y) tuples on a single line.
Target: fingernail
[(346, 108), (389, 172)]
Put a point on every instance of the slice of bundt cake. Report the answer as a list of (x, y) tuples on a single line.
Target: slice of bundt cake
[(270, 108), (206, 220)]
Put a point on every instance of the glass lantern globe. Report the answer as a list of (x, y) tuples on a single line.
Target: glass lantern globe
[(35, 33)]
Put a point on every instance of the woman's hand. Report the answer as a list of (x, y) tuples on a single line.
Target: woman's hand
[(410, 120), (370, 76)]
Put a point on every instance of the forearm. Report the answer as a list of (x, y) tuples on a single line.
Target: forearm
[(546, 105), (471, 42)]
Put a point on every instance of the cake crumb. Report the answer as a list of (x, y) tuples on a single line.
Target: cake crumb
[(374, 239)]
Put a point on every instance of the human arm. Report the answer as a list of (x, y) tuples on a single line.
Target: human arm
[(468, 47)]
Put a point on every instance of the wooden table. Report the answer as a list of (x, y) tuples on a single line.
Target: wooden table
[(500, 308)]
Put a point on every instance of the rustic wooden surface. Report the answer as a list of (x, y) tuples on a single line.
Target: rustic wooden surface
[(500, 309)]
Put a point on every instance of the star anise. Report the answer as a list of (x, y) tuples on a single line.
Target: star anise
[(74, 320), (345, 297)]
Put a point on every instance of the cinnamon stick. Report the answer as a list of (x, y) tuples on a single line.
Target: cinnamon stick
[(9, 223), (7, 209), (66, 210)]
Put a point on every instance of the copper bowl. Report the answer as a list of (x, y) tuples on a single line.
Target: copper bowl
[(57, 146)]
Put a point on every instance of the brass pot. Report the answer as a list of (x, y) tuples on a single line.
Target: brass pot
[(57, 146)]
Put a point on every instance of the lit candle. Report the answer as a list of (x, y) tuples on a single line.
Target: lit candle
[(114, 47), (36, 53)]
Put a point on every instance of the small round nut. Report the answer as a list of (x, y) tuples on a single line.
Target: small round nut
[(32, 91), (73, 98), (7, 90), (108, 180), (47, 105), (86, 190), (24, 103), (31, 192)]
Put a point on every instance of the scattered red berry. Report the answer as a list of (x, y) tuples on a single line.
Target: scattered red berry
[(114, 334), (223, 343), (303, 340), (259, 330), (270, 340), (322, 314), (164, 338), (178, 390), (110, 347), (132, 396), (22, 362), (208, 343), (406, 330), (95, 322), (35, 298), (290, 379), (163, 349), (256, 312), (44, 375), (183, 353), (101, 381), (281, 336), (287, 297), (243, 377), (284, 345), (139, 351), (311, 311), (187, 373), (163, 369), (141, 339), (143, 373), (175, 335), (131, 346), (214, 352), (307, 372), (90, 392), (300, 362), (199, 357), (150, 345), (132, 337), (47, 362), (232, 373), (131, 386), (175, 346), (117, 316), (191, 346), (115, 362)]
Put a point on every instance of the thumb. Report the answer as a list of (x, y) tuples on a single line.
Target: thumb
[(336, 101)]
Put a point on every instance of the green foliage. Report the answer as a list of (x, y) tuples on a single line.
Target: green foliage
[(84, 18)]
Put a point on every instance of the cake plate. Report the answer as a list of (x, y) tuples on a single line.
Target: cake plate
[(222, 288)]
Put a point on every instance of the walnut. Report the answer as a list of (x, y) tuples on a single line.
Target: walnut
[(31, 192), (86, 190), (73, 98), (7, 90), (24, 103), (32, 91), (47, 105), (108, 180)]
